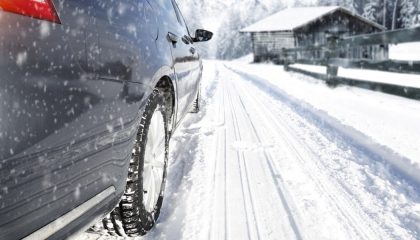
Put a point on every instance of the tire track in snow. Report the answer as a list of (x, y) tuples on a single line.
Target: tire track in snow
[(345, 213), (244, 173), (220, 143), (358, 230), (238, 137), (280, 188), (287, 223), (340, 204), (270, 162)]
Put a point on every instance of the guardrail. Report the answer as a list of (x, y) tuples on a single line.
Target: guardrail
[(335, 45)]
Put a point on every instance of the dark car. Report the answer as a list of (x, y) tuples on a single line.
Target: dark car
[(90, 94)]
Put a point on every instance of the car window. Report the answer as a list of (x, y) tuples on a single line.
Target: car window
[(178, 13), (180, 17), (168, 15)]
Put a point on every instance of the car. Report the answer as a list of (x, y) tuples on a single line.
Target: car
[(90, 95)]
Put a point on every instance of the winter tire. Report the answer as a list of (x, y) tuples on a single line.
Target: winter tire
[(140, 205)]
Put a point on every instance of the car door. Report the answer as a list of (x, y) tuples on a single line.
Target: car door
[(126, 33), (186, 62)]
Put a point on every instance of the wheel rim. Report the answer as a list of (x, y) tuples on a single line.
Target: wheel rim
[(154, 161)]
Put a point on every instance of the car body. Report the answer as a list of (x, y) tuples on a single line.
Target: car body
[(72, 93)]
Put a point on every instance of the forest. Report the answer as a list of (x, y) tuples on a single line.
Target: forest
[(392, 14)]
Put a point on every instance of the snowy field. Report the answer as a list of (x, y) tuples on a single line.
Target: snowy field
[(278, 155)]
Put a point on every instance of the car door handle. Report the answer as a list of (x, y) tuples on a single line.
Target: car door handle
[(192, 50), (173, 38)]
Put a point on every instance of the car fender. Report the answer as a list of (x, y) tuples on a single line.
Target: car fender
[(168, 72)]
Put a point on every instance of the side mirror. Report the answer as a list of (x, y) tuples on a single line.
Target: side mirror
[(202, 35)]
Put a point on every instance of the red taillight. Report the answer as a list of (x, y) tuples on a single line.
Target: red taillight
[(41, 9)]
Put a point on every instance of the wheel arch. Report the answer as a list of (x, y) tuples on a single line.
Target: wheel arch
[(165, 80)]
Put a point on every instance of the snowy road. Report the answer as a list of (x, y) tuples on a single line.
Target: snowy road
[(253, 165)]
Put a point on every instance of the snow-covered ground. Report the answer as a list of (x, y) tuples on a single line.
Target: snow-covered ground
[(400, 79), (278, 155), (311, 68), (406, 52)]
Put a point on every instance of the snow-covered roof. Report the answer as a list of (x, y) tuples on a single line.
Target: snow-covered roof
[(293, 18)]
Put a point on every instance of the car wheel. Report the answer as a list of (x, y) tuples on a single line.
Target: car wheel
[(195, 108), (140, 205)]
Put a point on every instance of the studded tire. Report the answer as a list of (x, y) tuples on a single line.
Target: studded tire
[(131, 217)]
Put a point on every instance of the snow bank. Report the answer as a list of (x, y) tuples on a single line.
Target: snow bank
[(407, 80), (246, 59), (406, 51), (311, 68)]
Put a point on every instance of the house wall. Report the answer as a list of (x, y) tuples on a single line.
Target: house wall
[(346, 25), (269, 45)]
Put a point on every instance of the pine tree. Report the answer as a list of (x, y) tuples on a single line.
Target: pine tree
[(358, 6), (408, 13), (352, 5), (380, 11), (300, 3), (330, 3), (370, 11)]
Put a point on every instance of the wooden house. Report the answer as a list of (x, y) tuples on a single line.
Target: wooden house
[(311, 26)]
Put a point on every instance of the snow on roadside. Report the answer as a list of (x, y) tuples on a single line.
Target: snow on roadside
[(311, 68), (388, 120), (405, 51), (187, 198), (407, 80), (246, 59)]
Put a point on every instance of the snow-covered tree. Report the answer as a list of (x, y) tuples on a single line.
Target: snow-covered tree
[(302, 3), (328, 3), (352, 5), (382, 11), (358, 6), (370, 11), (234, 44), (408, 13)]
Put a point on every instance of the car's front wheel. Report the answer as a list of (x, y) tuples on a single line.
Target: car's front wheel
[(140, 205)]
